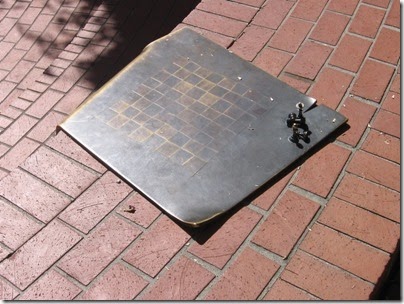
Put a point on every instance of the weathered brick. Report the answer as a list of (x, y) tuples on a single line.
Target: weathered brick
[(17, 130), (7, 292), (329, 28), (283, 291), (16, 228), (68, 79), (5, 122), (32, 195), (387, 122), (319, 173), (290, 35), (41, 23), (381, 3), (330, 87), (285, 225), (383, 145), (395, 86), (393, 18), (17, 10), (21, 104), (370, 196), (29, 95), (266, 199), (46, 126), (367, 21), (228, 9), (343, 6), (215, 23), (256, 3), (30, 79), (361, 224), (88, 56), (184, 280), (345, 252), (145, 212), (324, 280), (5, 47), (18, 154), (272, 61), (359, 115), (309, 9), (300, 84), (118, 284), (99, 249), (26, 41), (245, 278), (44, 103), (309, 60), (53, 241), (59, 172), (273, 13), (373, 80), (36, 51), (72, 100), (221, 246), (157, 246), (251, 42), (29, 15), (392, 101), (51, 287), (15, 34), (6, 25), (95, 203), (387, 46), (375, 169), (5, 89)]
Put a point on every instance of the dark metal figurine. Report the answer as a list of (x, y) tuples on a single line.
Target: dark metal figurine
[(297, 122)]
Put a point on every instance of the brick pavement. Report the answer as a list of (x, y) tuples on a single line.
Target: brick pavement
[(327, 229)]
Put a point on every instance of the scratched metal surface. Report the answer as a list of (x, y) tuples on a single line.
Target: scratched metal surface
[(195, 128)]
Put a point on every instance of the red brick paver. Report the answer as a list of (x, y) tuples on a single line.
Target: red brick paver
[(325, 229)]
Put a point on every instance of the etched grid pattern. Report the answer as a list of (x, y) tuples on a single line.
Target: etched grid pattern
[(186, 112)]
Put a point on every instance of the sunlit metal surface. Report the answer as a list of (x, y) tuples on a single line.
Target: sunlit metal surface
[(195, 128)]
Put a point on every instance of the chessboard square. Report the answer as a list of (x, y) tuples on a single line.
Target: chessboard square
[(181, 61), (186, 100), (153, 124), (189, 131), (130, 112), (118, 121), (153, 96), (243, 103), (140, 134), (175, 121), (129, 127), (187, 115), (161, 76), (174, 107), (163, 88), (206, 154), (203, 138), (193, 79), (224, 120), (234, 112), (154, 142), (221, 105), (246, 119), (166, 131), (237, 127), (153, 110), (141, 118), (212, 129), (210, 114), (195, 93), (194, 164), (200, 122), (208, 99), (106, 115), (151, 83), (172, 81), (142, 90), (181, 156), (218, 91), (202, 72), (193, 146), (179, 139), (172, 68), (227, 84), (191, 66), (119, 106), (215, 78), (142, 104), (198, 107), (240, 89), (205, 85), (182, 74), (133, 98), (173, 94), (183, 87), (167, 149), (256, 110)]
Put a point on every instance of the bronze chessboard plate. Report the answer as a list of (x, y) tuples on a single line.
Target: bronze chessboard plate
[(195, 128)]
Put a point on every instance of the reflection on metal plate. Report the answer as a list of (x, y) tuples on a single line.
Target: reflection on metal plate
[(196, 128)]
